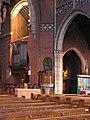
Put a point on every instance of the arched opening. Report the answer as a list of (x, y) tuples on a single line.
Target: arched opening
[(20, 28), (71, 68), (20, 20), (72, 33)]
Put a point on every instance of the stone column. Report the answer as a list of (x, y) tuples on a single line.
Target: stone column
[(33, 20), (58, 72)]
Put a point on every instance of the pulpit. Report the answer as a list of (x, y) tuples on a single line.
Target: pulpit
[(47, 87)]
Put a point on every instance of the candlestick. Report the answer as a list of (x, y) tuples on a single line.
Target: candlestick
[(50, 79)]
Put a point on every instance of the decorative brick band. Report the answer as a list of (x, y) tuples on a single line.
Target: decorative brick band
[(71, 5), (46, 27)]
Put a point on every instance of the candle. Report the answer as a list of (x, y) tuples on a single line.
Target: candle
[(50, 79), (29, 72)]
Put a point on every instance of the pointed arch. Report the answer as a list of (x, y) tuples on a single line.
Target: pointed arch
[(83, 61), (64, 26)]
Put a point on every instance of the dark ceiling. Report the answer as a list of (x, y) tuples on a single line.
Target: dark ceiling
[(83, 24)]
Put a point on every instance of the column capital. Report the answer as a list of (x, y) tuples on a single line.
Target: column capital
[(58, 51)]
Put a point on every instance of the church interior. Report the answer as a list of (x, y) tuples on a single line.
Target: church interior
[(45, 60)]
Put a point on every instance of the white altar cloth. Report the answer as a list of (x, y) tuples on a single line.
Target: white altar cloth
[(19, 92)]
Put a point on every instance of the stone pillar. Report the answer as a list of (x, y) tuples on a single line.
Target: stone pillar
[(33, 20), (58, 72)]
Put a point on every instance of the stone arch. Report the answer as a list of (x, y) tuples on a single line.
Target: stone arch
[(32, 13), (83, 62), (58, 53), (17, 19), (33, 19), (63, 27)]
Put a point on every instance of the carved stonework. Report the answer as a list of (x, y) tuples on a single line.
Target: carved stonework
[(58, 51)]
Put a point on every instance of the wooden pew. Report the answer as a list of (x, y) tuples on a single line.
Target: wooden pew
[(44, 114), (33, 108), (37, 109), (74, 117)]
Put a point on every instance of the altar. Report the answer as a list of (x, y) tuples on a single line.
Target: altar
[(83, 84), (19, 92), (85, 92)]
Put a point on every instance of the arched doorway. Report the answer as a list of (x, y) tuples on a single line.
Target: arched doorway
[(71, 68)]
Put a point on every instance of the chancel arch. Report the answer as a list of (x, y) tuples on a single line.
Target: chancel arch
[(59, 41)]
